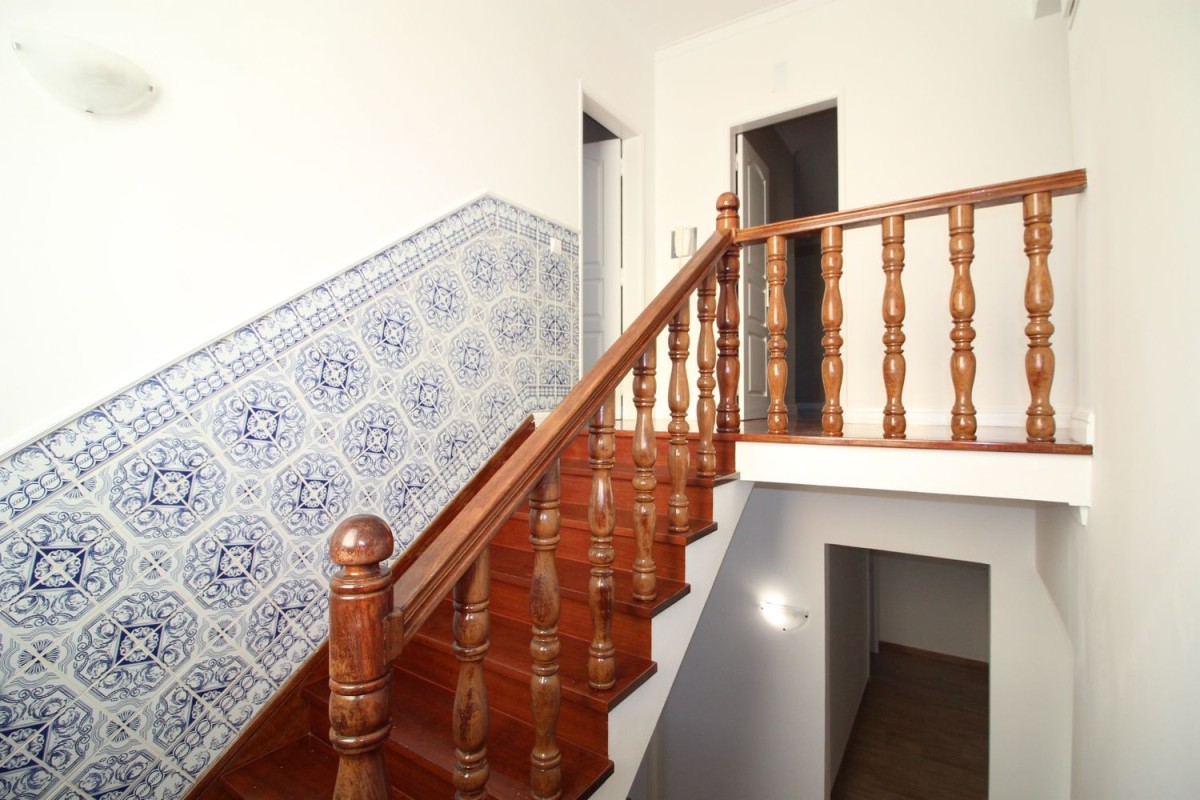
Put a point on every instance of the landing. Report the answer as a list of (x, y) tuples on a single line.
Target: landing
[(1000, 464)]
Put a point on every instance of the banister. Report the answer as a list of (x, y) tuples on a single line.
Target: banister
[(1058, 183), (435, 570)]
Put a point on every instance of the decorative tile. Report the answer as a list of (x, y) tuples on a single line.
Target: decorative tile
[(441, 299), (228, 565), (240, 353), (164, 556), (259, 424), (332, 373), (167, 488), (57, 567), (471, 359), (513, 325), (520, 264), (44, 730), (27, 477), (310, 497), (375, 440), (111, 774), (427, 395), (392, 333), (129, 651)]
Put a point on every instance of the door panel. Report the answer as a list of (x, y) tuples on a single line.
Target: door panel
[(754, 191), (601, 290)]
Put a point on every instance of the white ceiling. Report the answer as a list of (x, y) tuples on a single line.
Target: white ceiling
[(664, 22)]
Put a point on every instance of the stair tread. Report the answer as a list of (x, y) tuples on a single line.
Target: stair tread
[(516, 566), (305, 769), (422, 717), (509, 653)]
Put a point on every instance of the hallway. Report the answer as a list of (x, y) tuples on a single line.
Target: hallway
[(921, 731)]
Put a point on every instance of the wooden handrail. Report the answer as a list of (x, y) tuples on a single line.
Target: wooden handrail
[(435, 570), (1058, 183)]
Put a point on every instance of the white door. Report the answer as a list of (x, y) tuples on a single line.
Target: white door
[(754, 189), (601, 248)]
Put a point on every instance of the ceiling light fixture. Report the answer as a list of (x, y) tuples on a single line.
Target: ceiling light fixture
[(83, 75)]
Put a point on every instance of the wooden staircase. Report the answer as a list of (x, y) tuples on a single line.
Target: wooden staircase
[(420, 753)]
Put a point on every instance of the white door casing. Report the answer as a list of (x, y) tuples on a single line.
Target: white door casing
[(753, 189)]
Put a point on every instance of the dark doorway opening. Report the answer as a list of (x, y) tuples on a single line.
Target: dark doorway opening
[(801, 155)]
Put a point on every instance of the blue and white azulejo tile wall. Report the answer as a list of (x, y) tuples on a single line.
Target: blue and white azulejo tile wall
[(163, 558)]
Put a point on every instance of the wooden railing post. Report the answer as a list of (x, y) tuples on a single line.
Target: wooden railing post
[(831, 321), (962, 312), (894, 423), (1039, 300), (677, 400), (471, 634), (602, 520), (545, 694), (645, 453), (777, 375), (706, 362), (729, 314), (360, 598)]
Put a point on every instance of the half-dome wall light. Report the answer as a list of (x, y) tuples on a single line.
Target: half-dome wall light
[(83, 75)]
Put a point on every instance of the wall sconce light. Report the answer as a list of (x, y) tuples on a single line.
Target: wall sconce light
[(83, 75), (782, 616)]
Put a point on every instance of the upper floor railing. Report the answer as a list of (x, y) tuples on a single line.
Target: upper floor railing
[(375, 610)]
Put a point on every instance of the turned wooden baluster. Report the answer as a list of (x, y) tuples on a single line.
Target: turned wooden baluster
[(894, 423), (645, 454), (962, 312), (729, 314), (360, 596), (545, 771), (602, 520), (678, 455), (471, 629), (831, 321), (706, 361), (1039, 300), (777, 414)]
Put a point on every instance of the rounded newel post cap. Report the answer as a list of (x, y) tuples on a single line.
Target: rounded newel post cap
[(727, 211), (361, 540)]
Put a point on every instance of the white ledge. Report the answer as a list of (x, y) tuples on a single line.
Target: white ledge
[(1050, 478)]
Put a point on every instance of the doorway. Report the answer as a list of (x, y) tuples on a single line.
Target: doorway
[(783, 170), (907, 685), (601, 241)]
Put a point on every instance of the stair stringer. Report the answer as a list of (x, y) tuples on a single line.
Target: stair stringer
[(632, 722)]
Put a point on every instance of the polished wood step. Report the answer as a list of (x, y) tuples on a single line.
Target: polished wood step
[(306, 769), (420, 748)]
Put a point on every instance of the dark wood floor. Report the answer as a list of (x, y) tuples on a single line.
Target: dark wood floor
[(921, 732)]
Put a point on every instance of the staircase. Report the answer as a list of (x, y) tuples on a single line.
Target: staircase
[(420, 753), (568, 543)]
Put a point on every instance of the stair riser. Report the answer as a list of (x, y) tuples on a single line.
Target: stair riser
[(577, 488), (630, 634), (578, 449), (575, 542), (576, 723)]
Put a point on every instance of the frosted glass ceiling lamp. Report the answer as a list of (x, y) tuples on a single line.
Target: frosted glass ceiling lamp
[(783, 616), (84, 75)]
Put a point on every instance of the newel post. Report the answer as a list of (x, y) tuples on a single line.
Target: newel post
[(360, 597), (729, 315)]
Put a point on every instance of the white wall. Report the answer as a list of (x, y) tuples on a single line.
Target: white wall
[(287, 140), (1126, 584), (746, 717), (933, 604), (848, 646), (933, 95)]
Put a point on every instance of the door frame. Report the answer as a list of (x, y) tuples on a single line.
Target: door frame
[(634, 273), (822, 102)]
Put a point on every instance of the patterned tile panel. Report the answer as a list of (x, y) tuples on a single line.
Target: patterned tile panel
[(164, 555)]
